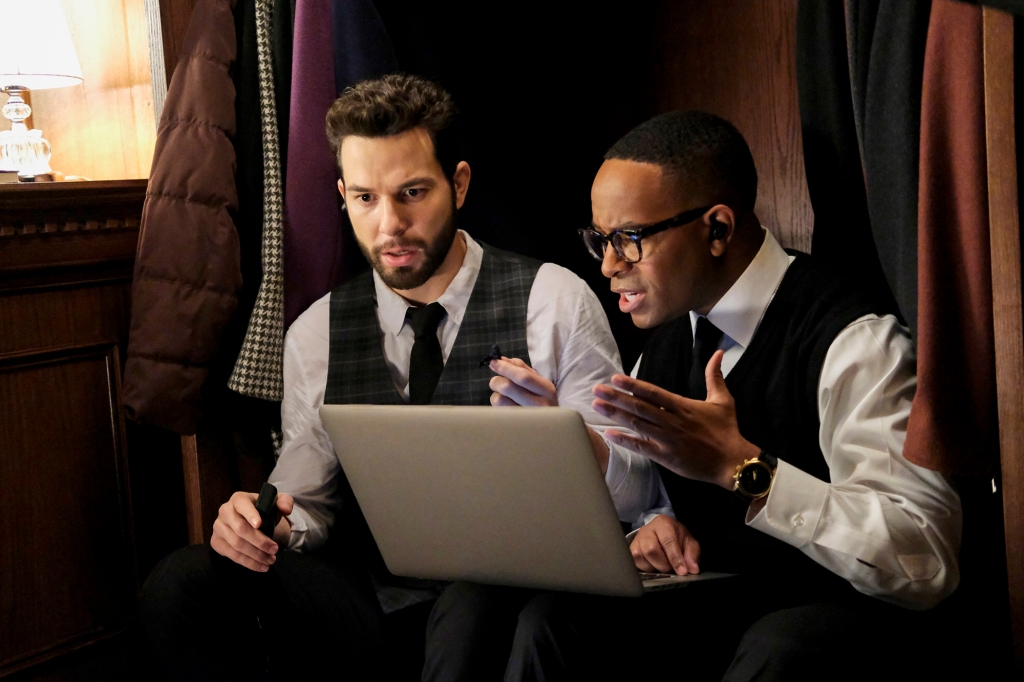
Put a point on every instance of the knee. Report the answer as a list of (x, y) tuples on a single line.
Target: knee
[(797, 643), (539, 617), (463, 603), (177, 578)]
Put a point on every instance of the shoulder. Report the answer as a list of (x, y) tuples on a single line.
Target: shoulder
[(508, 258), (312, 325)]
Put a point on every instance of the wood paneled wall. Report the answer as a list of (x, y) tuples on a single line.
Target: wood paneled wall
[(104, 128), (737, 59), (67, 554), (174, 18)]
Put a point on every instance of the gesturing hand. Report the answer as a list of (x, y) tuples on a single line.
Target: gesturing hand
[(698, 439), (235, 533), (665, 546), (519, 384)]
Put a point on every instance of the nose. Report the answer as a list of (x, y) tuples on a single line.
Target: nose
[(612, 265), (393, 222)]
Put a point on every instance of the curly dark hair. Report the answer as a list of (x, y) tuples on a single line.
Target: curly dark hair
[(391, 105), (703, 150)]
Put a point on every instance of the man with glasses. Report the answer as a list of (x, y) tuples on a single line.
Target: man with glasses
[(773, 396)]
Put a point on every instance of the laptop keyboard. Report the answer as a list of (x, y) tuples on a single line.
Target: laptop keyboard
[(653, 576)]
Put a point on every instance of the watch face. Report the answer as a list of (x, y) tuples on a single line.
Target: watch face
[(755, 479)]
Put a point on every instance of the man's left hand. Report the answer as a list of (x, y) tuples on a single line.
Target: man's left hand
[(519, 384), (693, 438)]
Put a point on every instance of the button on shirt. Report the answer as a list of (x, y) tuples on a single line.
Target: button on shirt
[(888, 526), (567, 336)]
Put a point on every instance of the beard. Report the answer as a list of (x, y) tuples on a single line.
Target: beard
[(408, 277)]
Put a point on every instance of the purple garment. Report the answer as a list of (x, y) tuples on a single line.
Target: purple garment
[(312, 231)]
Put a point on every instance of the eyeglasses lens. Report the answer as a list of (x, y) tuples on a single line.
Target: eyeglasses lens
[(628, 249)]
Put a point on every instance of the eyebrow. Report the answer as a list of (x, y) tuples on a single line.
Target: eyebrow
[(424, 180)]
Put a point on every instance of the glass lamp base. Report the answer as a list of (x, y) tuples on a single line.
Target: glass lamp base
[(24, 151)]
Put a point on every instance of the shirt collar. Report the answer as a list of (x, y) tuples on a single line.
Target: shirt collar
[(739, 311), (391, 307)]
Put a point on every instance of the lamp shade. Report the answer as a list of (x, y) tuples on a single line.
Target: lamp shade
[(36, 51)]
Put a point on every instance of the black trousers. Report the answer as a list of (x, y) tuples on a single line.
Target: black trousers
[(308, 618), (733, 630)]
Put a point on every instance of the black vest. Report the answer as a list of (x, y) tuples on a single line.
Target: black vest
[(775, 385), (357, 372)]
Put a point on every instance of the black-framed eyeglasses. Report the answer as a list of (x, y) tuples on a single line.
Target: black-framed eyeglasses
[(627, 242)]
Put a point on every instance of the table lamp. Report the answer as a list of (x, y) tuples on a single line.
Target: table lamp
[(36, 52)]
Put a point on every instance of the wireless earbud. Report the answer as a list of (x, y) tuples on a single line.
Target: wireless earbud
[(718, 230)]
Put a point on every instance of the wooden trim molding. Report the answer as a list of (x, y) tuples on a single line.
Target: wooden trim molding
[(1004, 235), (61, 234), (193, 497)]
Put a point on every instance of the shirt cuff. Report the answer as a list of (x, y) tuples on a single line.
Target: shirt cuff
[(794, 505), (617, 467), (300, 524)]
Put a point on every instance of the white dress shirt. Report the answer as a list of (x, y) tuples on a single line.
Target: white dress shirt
[(569, 342), (890, 527)]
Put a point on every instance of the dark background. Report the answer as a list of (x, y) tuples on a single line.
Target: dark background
[(541, 99)]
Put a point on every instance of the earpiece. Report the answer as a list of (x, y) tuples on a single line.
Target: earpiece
[(718, 230)]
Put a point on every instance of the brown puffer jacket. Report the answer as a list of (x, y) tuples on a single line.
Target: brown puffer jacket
[(187, 272)]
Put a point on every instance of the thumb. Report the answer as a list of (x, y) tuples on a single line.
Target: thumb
[(717, 391), (285, 503)]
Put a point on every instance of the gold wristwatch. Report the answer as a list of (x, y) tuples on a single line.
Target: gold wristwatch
[(753, 478)]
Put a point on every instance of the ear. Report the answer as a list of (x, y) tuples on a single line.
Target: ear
[(461, 182), (721, 221), (341, 188)]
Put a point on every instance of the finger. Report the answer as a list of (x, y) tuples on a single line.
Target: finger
[(498, 400), (715, 380), (523, 375), (628, 419), (649, 393), (242, 524), (515, 361), (671, 544), (225, 550), (641, 446), (650, 545), (632, 404), (639, 560), (691, 553), (228, 535), (243, 503), (519, 394), (285, 504)]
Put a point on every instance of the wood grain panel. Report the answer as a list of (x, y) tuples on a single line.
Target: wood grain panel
[(67, 572), (103, 129), (174, 18), (1004, 233), (737, 59)]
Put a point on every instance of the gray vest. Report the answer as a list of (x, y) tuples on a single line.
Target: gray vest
[(357, 373)]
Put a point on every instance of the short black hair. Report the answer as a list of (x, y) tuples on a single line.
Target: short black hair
[(702, 150), (392, 105)]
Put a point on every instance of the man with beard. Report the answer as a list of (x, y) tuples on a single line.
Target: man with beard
[(315, 598)]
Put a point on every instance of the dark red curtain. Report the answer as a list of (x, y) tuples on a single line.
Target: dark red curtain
[(953, 425)]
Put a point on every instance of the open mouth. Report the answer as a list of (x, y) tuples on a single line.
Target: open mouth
[(400, 257), (630, 300)]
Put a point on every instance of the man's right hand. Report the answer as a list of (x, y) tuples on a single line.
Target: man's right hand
[(235, 533), (665, 546)]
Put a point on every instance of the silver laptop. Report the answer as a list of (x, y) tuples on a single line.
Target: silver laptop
[(502, 496)]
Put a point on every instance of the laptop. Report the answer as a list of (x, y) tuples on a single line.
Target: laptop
[(501, 496)]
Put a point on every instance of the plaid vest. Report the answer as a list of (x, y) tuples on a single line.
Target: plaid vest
[(496, 314), (357, 373)]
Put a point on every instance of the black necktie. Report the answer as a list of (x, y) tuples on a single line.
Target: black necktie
[(426, 362), (705, 343)]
